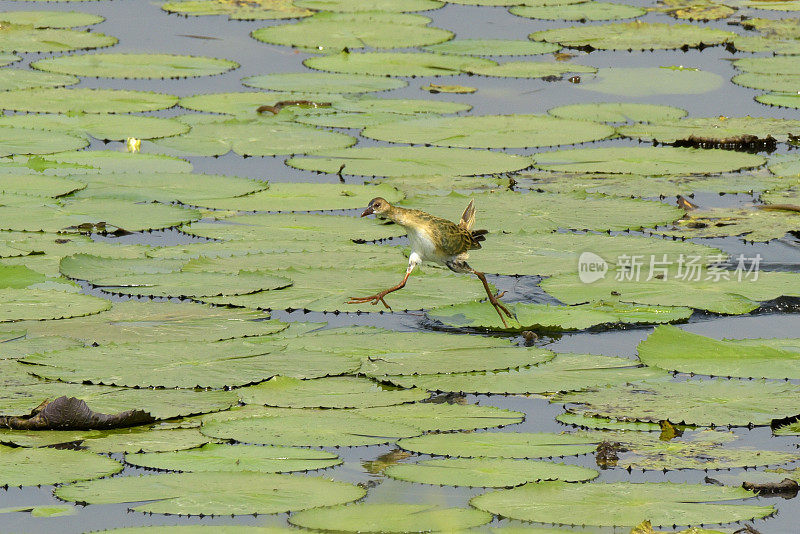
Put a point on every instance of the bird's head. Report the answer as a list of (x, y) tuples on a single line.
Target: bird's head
[(378, 206)]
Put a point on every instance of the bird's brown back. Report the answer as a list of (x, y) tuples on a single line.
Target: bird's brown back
[(450, 237)]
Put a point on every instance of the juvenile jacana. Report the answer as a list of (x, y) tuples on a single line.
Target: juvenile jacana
[(435, 240)]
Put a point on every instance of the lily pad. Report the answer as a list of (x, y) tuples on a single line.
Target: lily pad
[(251, 10), (397, 63), (699, 402), (30, 141), (41, 304), (106, 126), (634, 36), (490, 131), (758, 43), (529, 69), (549, 317), (333, 392), (110, 65), (17, 79), (500, 445), (322, 82), (579, 11), (786, 100), (83, 100), (32, 467), (487, 472), (93, 161), (21, 347), (719, 129), (782, 83), (652, 81), (621, 503), (782, 65), (430, 417), (24, 38), (752, 223), (563, 373), (234, 458), (350, 6), (618, 112), (673, 349), (357, 33), (214, 493), (646, 160), (390, 517), (128, 440), (492, 47), (51, 19)]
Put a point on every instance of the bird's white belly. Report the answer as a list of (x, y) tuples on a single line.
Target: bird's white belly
[(423, 246)]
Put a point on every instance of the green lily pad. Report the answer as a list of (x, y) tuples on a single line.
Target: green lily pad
[(758, 43), (214, 493), (751, 223), (617, 112), (110, 65), (604, 423), (652, 81), (24, 38), (487, 472), (332, 392), (234, 458), (490, 131), (357, 33), (563, 373), (322, 82), (93, 161), (350, 6), (41, 304), (717, 129), (646, 160), (42, 511), (781, 83), (786, 100), (673, 349), (83, 100), (782, 65), (695, 9), (635, 35), (621, 503), (51, 19), (390, 517), (500, 445), (430, 417), (19, 348), (104, 126), (549, 317), (405, 106), (284, 426), (17, 79), (68, 216), (579, 12), (7, 59), (251, 10), (409, 161), (298, 196), (492, 47), (128, 440), (699, 402), (29, 141), (397, 63), (528, 69), (32, 467)]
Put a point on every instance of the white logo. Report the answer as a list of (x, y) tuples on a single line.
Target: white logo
[(591, 267)]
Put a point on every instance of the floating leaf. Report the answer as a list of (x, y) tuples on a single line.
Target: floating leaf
[(104, 126), (40, 304), (108, 65), (25, 38), (634, 36), (649, 81), (93, 161), (322, 82), (487, 472), (333, 392), (786, 100), (579, 11), (758, 43), (349, 6), (621, 503), (32, 467), (785, 83), (230, 458), (83, 100), (51, 19), (29, 141), (214, 493), (390, 517), (528, 69), (42, 511), (617, 112), (251, 10), (490, 131), (500, 445), (714, 129), (492, 47), (754, 224), (21, 347), (17, 79), (128, 440), (430, 417), (397, 63)]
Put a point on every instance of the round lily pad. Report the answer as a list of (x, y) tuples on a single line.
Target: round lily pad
[(528, 69), (214, 493), (251, 10), (487, 472), (41, 304), (105, 126), (322, 82), (720, 129), (332, 392), (785, 83), (233, 458), (617, 112), (492, 47), (652, 81), (349, 6), (409, 161), (758, 43), (786, 100), (32, 467), (85, 100), (646, 160), (30, 141), (621, 503), (490, 131), (634, 36), (93, 161), (24, 38), (579, 11), (397, 63), (108, 65), (430, 417), (51, 19), (500, 445), (17, 79), (322, 35), (247, 103), (782, 65)]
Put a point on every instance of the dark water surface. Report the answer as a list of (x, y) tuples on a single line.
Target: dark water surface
[(141, 26)]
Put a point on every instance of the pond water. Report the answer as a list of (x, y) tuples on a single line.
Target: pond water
[(143, 27)]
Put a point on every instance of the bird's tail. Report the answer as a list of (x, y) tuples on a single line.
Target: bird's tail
[(468, 217)]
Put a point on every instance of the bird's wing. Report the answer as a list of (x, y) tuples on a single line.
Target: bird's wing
[(468, 217)]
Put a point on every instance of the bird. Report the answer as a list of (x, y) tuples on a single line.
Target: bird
[(437, 240)]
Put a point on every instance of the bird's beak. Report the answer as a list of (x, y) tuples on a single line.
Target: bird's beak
[(368, 211)]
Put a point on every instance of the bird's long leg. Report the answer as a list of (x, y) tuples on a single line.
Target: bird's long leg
[(413, 261), (499, 307)]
